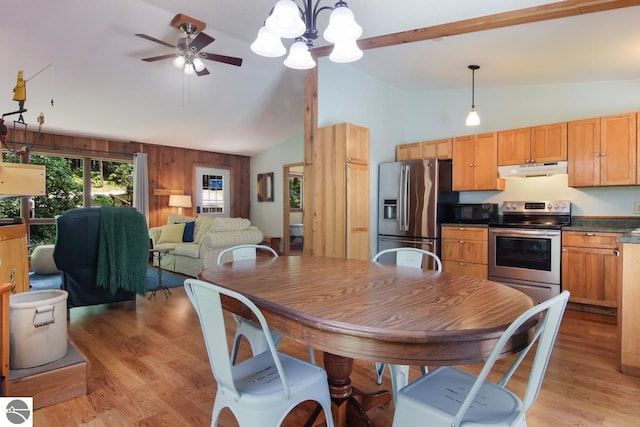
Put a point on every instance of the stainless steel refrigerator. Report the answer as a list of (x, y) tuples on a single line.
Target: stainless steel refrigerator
[(414, 198)]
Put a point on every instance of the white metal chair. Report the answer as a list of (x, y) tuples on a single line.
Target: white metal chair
[(261, 390), (407, 257), (448, 396), (245, 327)]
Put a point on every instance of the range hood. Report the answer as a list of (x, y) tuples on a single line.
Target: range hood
[(532, 169)]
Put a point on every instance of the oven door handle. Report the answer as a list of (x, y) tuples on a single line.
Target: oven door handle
[(519, 232)]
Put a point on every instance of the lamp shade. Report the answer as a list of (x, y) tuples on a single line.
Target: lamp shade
[(268, 44), (179, 201), (285, 20), (299, 57), (473, 119), (345, 51), (342, 26), (179, 61)]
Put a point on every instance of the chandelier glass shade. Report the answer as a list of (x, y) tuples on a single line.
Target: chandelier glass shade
[(473, 119), (288, 20)]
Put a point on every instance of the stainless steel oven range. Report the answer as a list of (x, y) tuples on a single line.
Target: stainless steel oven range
[(525, 246)]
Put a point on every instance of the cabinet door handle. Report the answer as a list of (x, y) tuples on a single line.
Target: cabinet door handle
[(461, 264), (597, 154), (470, 165), (590, 234), (603, 154), (461, 241), (564, 249), (616, 252)]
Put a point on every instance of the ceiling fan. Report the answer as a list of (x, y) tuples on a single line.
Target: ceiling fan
[(188, 56)]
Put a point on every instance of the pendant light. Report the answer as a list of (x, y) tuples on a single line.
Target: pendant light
[(473, 119)]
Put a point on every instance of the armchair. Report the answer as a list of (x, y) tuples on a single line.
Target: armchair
[(76, 254)]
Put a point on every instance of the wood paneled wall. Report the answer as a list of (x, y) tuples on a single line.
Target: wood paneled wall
[(170, 168)]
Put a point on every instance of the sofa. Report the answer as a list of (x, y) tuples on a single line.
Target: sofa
[(196, 242)]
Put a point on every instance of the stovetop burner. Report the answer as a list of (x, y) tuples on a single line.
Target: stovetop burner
[(551, 214)]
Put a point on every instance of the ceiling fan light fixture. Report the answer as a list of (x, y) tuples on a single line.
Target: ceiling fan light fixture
[(179, 61), (285, 20), (198, 64), (342, 25), (473, 119), (268, 44), (346, 51), (299, 57)]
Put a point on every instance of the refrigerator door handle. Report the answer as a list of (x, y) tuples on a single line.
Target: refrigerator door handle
[(401, 199), (405, 198)]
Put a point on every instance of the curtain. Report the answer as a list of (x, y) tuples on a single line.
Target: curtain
[(141, 184)]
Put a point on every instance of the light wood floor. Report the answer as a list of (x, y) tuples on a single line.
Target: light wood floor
[(149, 367)]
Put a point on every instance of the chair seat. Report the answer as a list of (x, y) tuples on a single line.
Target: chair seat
[(258, 375), (443, 391)]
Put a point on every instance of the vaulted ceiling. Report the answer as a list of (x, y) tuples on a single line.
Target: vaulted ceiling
[(95, 84)]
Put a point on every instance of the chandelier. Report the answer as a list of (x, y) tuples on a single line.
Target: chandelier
[(288, 20)]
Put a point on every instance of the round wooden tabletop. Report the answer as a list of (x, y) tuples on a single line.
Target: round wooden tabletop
[(371, 311)]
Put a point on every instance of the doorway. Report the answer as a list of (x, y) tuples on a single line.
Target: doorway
[(293, 201)]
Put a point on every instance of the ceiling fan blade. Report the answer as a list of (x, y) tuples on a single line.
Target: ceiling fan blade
[(231, 60), (202, 73), (144, 36), (158, 58), (201, 41)]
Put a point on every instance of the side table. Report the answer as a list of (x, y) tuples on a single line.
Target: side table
[(160, 287), (273, 242)]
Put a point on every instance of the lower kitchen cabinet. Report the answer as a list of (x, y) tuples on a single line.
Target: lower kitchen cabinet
[(14, 263), (591, 267), (465, 250)]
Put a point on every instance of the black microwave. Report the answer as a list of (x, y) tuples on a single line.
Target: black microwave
[(476, 213)]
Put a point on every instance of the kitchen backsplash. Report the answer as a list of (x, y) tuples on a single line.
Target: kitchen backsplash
[(602, 201)]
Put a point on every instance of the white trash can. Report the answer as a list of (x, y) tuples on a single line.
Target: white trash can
[(38, 328)]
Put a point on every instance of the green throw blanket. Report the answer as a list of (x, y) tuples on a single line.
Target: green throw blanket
[(123, 250)]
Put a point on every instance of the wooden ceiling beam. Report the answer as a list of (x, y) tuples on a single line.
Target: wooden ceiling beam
[(562, 9)]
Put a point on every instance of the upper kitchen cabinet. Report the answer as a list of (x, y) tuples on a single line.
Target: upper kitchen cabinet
[(475, 163), (602, 151), (539, 144), (437, 149), (409, 151), (341, 224)]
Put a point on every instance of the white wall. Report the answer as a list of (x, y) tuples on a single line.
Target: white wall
[(395, 117), (268, 216), (346, 95)]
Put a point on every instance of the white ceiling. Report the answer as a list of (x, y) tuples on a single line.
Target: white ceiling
[(100, 87)]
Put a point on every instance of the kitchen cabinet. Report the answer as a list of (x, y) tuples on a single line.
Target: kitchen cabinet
[(475, 163), (341, 224), (539, 144), (409, 151), (437, 149), (591, 267), (602, 151), (464, 250), (14, 265)]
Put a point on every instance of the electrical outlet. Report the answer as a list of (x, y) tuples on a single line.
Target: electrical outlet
[(636, 207)]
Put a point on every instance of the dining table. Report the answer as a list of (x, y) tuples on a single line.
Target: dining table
[(357, 309)]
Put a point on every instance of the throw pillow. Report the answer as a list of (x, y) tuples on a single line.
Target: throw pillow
[(171, 233), (189, 227)]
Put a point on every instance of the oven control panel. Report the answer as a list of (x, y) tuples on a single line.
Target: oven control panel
[(556, 207)]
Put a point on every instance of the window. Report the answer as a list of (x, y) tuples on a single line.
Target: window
[(213, 193), (111, 183), (295, 192)]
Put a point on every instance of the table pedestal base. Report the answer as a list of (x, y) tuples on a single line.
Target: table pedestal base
[(350, 405)]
